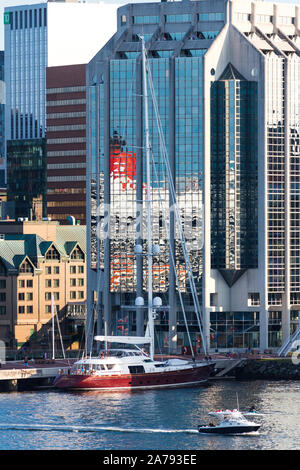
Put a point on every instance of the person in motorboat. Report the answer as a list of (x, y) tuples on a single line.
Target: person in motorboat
[(252, 409)]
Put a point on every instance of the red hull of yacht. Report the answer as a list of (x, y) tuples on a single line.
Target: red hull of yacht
[(180, 378)]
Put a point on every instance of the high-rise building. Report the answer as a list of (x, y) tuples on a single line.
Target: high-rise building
[(2, 118), (226, 77), (37, 36), (66, 142)]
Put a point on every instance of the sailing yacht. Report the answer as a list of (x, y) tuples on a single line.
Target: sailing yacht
[(128, 369)]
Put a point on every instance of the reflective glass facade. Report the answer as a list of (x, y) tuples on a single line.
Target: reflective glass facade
[(117, 183), (2, 117), (27, 60), (234, 177), (229, 105), (26, 177)]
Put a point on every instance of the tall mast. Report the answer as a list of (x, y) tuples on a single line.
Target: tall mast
[(148, 180)]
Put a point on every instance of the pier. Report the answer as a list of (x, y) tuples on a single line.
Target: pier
[(16, 375)]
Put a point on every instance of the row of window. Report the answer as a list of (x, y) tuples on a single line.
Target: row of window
[(55, 270), (69, 140), (26, 19), (254, 299), (66, 178), (285, 20), (69, 153), (71, 127), (70, 89), (65, 115), (65, 102), (66, 204), (56, 166), (185, 18)]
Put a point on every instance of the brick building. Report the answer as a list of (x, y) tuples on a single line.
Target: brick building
[(42, 270)]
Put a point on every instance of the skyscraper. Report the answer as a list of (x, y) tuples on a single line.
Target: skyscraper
[(37, 36), (66, 142), (226, 78), (2, 116)]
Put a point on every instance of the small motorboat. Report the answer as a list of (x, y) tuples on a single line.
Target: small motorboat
[(231, 422)]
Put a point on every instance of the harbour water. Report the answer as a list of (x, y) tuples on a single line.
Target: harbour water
[(148, 420)]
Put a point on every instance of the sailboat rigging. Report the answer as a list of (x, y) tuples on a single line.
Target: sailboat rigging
[(122, 369)]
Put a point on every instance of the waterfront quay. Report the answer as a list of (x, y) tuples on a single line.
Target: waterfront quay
[(38, 373), (20, 375)]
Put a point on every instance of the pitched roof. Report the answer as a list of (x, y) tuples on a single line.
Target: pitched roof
[(15, 247)]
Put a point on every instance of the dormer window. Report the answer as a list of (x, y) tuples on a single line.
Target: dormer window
[(52, 253), (26, 267), (77, 254)]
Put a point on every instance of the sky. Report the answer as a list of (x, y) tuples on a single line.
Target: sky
[(9, 3)]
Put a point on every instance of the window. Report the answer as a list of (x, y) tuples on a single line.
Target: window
[(55, 282), (48, 283), (29, 283), (2, 296), (48, 269), (52, 253), (72, 294), (21, 309), (211, 17), (253, 299), (56, 295), (123, 20), (145, 19), (2, 284), (178, 18), (73, 282), (136, 369), (81, 282), (47, 295), (73, 269), (26, 267), (21, 283), (263, 18), (213, 300), (48, 309), (3, 310), (21, 296), (77, 254), (29, 296), (81, 269), (55, 269), (275, 299), (29, 309), (2, 269), (81, 294)]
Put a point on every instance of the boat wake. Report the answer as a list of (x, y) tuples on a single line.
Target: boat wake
[(74, 428)]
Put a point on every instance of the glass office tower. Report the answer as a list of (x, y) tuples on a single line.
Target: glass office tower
[(226, 77), (2, 120), (36, 36)]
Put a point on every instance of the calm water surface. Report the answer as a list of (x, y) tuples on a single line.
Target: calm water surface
[(149, 420)]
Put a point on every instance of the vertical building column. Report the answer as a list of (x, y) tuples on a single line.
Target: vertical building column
[(106, 289), (286, 311), (139, 196), (172, 234), (206, 201), (89, 290), (262, 167), (98, 227)]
